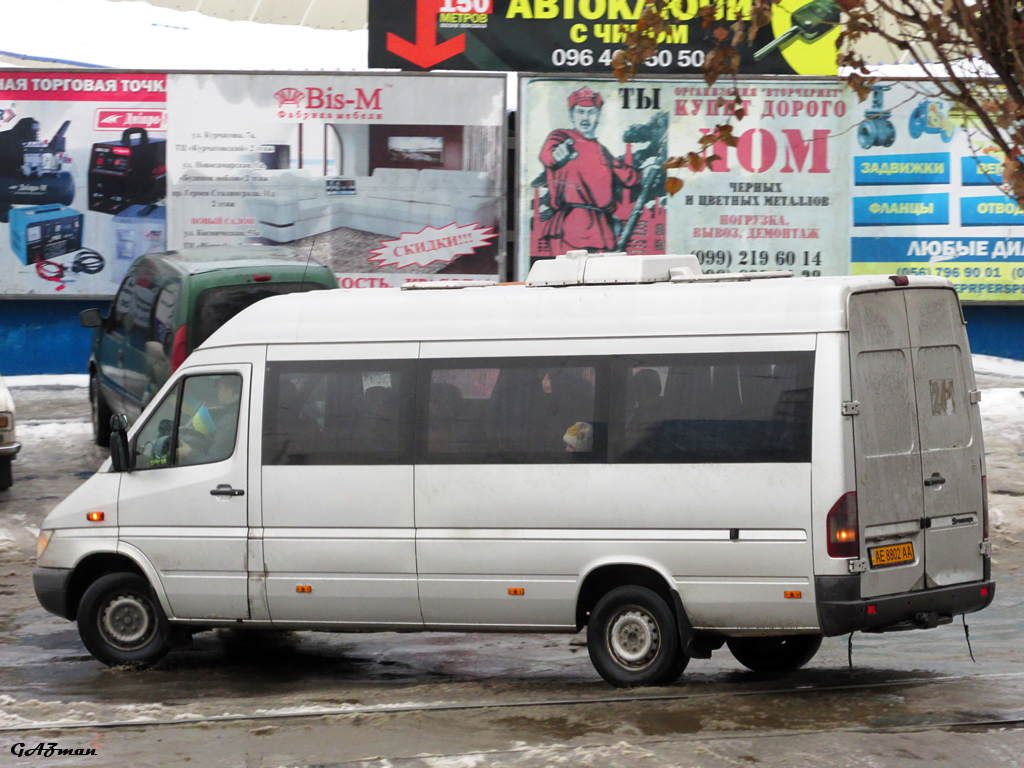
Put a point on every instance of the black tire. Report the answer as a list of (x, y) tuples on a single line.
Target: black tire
[(633, 639), (6, 474), (783, 653), (100, 412), (121, 622)]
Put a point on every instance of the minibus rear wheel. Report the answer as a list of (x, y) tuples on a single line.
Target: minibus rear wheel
[(783, 653), (633, 639), (121, 622)]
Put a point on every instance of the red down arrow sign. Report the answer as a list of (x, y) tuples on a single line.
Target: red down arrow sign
[(426, 51)]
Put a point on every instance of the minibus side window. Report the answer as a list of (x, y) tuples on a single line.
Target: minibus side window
[(726, 408), (516, 411), (338, 412), (200, 427), (154, 441)]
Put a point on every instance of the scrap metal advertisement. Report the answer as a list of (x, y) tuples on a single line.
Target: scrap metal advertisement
[(929, 202), (82, 178), (591, 178), (583, 35), (385, 179)]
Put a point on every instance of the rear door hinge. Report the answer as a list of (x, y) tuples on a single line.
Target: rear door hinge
[(851, 408), (857, 566), (986, 547), (975, 396)]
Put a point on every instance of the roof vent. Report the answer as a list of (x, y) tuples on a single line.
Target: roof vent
[(582, 268)]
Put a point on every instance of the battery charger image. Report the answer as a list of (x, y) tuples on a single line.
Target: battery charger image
[(132, 171), (31, 169), (44, 232)]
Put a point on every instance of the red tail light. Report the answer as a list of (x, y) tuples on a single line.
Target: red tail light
[(842, 527), (984, 507), (180, 349)]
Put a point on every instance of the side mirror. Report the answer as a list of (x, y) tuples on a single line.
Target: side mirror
[(119, 456), (90, 318)]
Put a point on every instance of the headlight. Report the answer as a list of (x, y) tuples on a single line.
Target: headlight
[(42, 541)]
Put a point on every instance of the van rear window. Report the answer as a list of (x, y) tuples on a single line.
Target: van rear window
[(215, 306)]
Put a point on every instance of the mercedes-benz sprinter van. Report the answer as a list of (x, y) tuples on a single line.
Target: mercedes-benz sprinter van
[(672, 461)]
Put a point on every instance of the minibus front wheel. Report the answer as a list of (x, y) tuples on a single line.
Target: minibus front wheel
[(633, 639), (783, 653), (121, 622)]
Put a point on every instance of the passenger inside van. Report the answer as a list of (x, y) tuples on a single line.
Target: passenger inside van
[(209, 435)]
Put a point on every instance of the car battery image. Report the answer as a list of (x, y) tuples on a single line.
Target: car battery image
[(130, 172), (43, 232), (139, 229)]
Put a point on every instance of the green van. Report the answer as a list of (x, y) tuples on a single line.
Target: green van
[(168, 304)]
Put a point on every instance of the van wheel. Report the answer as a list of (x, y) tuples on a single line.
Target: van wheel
[(6, 474), (100, 413), (774, 654), (121, 622), (633, 639)]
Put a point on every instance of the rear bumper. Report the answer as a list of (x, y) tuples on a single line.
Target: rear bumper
[(51, 585), (840, 612), (10, 450)]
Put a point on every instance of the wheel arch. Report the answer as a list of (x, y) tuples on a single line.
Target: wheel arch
[(603, 577), (126, 559)]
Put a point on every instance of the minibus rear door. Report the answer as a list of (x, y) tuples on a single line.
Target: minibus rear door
[(951, 445), (887, 451)]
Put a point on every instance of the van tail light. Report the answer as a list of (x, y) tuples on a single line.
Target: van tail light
[(984, 507), (180, 349), (842, 527)]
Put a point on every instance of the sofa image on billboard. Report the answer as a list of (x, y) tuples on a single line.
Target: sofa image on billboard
[(390, 201)]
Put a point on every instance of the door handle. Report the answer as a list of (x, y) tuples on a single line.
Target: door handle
[(935, 479), (226, 490)]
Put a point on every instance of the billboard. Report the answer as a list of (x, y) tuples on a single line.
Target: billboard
[(591, 177), (927, 200), (581, 36), (384, 178)]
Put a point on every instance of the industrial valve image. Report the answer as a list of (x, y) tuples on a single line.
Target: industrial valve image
[(31, 170), (930, 117), (877, 130)]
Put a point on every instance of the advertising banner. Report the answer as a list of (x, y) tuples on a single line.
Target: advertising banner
[(927, 202), (82, 178), (591, 178), (581, 36), (384, 178)]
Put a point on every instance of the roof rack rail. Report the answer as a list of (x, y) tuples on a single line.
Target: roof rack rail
[(727, 277), (436, 285)]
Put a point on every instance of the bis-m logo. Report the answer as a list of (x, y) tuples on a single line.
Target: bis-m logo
[(581, 36)]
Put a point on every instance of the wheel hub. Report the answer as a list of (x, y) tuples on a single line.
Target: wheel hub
[(633, 638), (127, 621)]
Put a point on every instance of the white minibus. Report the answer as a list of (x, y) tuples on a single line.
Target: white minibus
[(673, 461)]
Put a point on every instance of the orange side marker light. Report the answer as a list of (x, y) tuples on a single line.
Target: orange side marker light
[(94, 517)]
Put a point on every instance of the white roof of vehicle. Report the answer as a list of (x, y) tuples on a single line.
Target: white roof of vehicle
[(771, 306)]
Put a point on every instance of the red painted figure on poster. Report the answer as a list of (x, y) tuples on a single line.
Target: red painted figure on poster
[(581, 178)]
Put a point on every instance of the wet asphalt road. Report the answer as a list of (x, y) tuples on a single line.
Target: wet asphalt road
[(384, 699)]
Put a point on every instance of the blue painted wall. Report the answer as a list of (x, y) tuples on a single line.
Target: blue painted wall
[(997, 331), (45, 337), (38, 336)]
